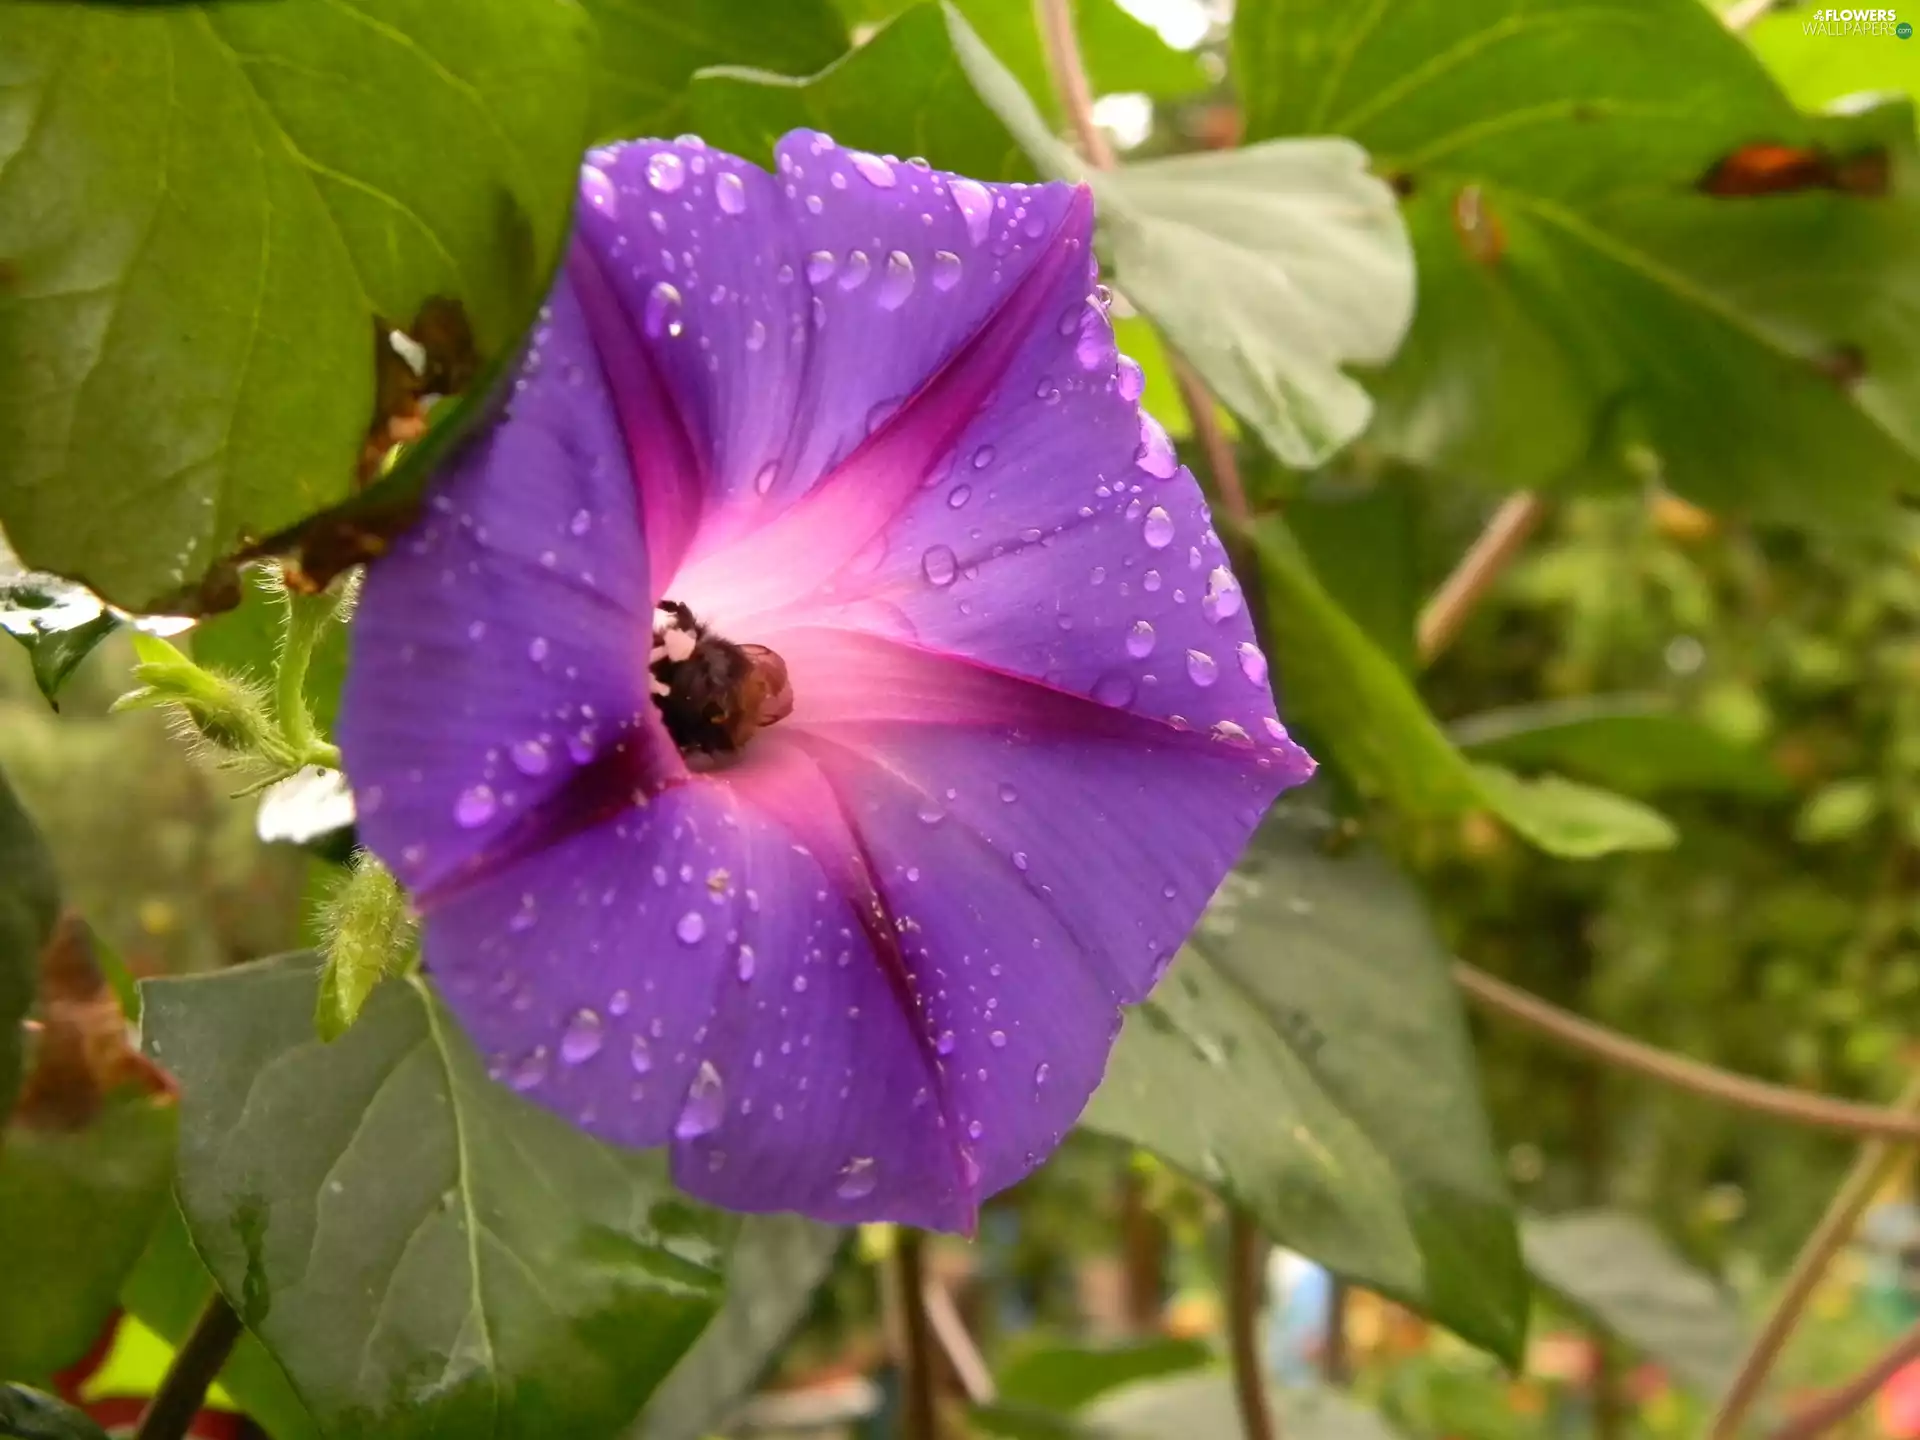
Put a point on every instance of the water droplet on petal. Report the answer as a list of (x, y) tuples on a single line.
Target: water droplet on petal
[(946, 270), (872, 168), (820, 265), (1222, 600), (897, 284), (580, 1042), (998, 1039), (757, 335), (855, 275), (690, 927), (983, 457), (537, 649), (1115, 688), (976, 206), (1008, 794), (1140, 638), (1202, 668), (1157, 529), (959, 496), (763, 481), (731, 191), (976, 1130), (1253, 664), (581, 523), (530, 1072), (474, 807), (618, 1002), (706, 1104), (743, 964), (662, 313), (1275, 729), (1040, 1073), (1020, 861), (599, 191), (1155, 455), (857, 1178), (945, 1043), (939, 565), (1130, 380), (640, 1056), (666, 172), (530, 757)]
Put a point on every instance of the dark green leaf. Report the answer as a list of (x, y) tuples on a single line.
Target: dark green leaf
[(1066, 1377), (902, 93), (1572, 262), (424, 1252), (1631, 743), (776, 1264), (210, 208), (1617, 1270), (1354, 704), (1564, 817), (27, 1414), (1269, 267), (1196, 1405), (1362, 712), (76, 1207), (1307, 1057), (649, 49), (167, 1292), (29, 901)]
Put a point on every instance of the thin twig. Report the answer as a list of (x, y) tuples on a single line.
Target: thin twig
[(183, 1389), (921, 1411), (1484, 562), (1214, 443), (1799, 1107), (1870, 1169), (1246, 1252), (1835, 1406), (950, 1330)]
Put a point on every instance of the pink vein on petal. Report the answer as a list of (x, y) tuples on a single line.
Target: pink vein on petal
[(666, 472), (788, 559)]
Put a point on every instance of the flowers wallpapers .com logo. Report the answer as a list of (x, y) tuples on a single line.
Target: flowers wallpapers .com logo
[(1830, 21)]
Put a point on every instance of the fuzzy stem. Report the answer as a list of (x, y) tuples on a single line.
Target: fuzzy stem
[(1818, 1112), (1246, 1254), (183, 1389), (1870, 1169)]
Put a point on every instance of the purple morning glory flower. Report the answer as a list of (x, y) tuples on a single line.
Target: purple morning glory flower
[(820, 701)]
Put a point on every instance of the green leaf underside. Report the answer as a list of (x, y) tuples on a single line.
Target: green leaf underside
[(1618, 1270), (1626, 742), (76, 1208), (1603, 277), (203, 209), (1269, 267), (1575, 821), (1307, 1057), (29, 901), (646, 52), (422, 1251), (776, 1264)]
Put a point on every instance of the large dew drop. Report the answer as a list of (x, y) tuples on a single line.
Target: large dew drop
[(976, 206), (474, 808), (939, 565), (706, 1103), (857, 1178), (873, 169), (690, 927), (897, 283), (1202, 668), (731, 191), (580, 1042), (1157, 529), (946, 270), (1155, 455), (662, 315), (599, 192), (1140, 638), (666, 172)]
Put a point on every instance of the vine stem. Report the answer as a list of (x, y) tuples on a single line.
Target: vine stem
[(1835, 1406), (183, 1389), (1486, 559), (920, 1405), (1246, 1256), (1870, 1169), (1819, 1112)]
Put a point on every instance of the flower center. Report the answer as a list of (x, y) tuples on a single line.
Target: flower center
[(713, 694)]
